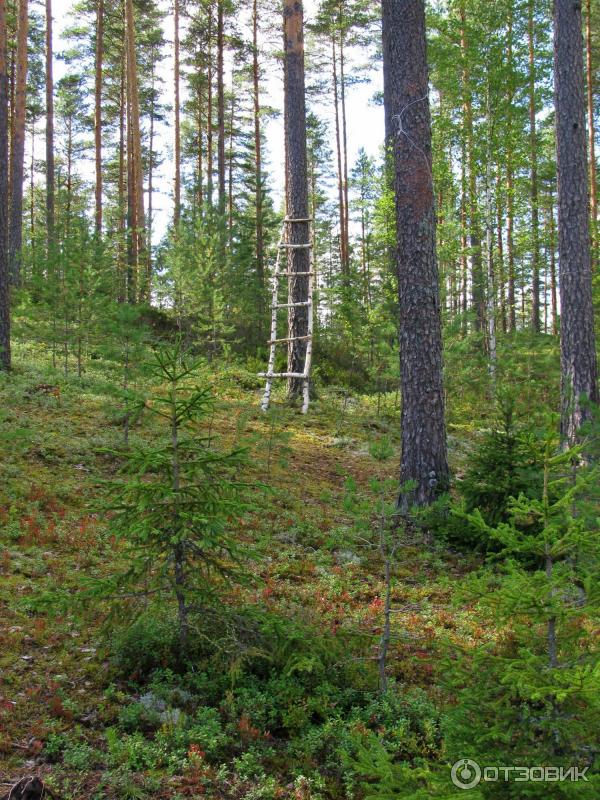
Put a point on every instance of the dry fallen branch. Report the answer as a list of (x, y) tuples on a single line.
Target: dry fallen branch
[(29, 788)]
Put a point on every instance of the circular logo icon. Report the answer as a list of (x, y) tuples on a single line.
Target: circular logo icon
[(465, 773)]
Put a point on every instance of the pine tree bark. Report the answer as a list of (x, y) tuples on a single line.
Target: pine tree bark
[(122, 270), (510, 216), (579, 375), (296, 184), (533, 176), (553, 289), (258, 188), (17, 149), (142, 277), (424, 456), (209, 111), (177, 149), (477, 278), (501, 269), (338, 141), (4, 269), (200, 159), (591, 131), (221, 165), (149, 224), (98, 113), (49, 130), (344, 143)]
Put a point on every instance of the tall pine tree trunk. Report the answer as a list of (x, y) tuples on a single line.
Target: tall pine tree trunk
[(49, 130), (209, 112), (17, 149), (500, 228), (424, 459), (258, 189), (98, 113), (340, 169), (477, 279), (142, 278), (4, 270), (510, 251), (533, 177), (177, 150), (591, 130), (122, 270), (578, 355), (344, 146), (200, 159), (296, 184), (221, 165), (149, 224), (553, 290)]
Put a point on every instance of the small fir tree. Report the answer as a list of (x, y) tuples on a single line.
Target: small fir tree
[(535, 700), (176, 500)]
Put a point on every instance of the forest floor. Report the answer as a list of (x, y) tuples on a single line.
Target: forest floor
[(60, 694)]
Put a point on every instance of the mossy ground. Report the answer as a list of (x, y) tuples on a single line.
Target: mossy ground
[(57, 675)]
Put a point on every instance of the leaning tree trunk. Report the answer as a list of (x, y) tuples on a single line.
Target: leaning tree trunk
[(579, 376), (17, 151), (4, 271), (424, 460), (296, 185)]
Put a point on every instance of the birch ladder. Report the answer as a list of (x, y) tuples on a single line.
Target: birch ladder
[(284, 247)]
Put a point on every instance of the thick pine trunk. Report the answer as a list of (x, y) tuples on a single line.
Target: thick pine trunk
[(579, 377), (4, 270), (17, 150), (98, 113), (296, 184), (591, 130), (424, 459)]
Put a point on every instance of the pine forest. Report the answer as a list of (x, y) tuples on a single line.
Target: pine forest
[(299, 401)]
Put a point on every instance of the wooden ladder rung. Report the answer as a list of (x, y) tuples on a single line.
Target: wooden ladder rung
[(282, 375), (291, 305), (289, 339)]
